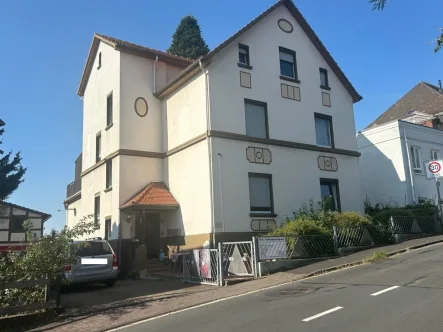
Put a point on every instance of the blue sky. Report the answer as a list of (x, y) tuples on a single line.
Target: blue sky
[(45, 44)]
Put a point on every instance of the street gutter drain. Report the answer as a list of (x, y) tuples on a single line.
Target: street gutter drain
[(294, 291)]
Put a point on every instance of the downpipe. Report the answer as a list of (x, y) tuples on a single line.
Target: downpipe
[(411, 175), (208, 129)]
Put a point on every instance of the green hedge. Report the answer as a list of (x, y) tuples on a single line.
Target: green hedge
[(299, 226), (380, 214), (323, 225)]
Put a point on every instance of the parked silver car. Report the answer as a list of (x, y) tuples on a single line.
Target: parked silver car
[(96, 262)]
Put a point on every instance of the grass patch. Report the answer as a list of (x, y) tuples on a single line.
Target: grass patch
[(376, 256)]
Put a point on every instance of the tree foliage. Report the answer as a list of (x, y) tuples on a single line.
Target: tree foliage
[(11, 171), (380, 5), (187, 40), (43, 257)]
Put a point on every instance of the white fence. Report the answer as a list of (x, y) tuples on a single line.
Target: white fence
[(230, 261)]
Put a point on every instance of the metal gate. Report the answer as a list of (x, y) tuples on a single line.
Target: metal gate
[(201, 266), (237, 260)]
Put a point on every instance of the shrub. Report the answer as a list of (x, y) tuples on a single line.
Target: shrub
[(350, 219), (42, 258), (299, 226), (380, 213)]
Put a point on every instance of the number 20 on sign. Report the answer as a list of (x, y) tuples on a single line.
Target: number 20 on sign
[(434, 169)]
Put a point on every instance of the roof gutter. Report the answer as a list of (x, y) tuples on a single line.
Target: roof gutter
[(184, 75)]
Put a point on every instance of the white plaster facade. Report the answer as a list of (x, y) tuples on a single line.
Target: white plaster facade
[(194, 136), (387, 169)]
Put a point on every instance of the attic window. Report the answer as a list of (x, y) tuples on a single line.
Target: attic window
[(99, 60)]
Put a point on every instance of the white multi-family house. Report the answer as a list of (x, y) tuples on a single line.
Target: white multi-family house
[(190, 153), (395, 147)]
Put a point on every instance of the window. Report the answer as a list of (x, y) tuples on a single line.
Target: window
[(108, 229), (94, 248), (329, 194), (109, 110), (98, 147), (243, 54), (415, 160), (323, 130), (324, 82), (99, 60), (108, 173), (260, 193), (97, 210), (256, 114), (434, 155), (17, 223), (287, 63)]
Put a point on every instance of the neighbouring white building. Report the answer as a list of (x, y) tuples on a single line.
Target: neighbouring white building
[(395, 147), (190, 153)]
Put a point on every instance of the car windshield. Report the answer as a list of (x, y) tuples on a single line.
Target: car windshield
[(94, 249)]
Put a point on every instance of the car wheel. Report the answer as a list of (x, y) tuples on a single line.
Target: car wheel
[(110, 283)]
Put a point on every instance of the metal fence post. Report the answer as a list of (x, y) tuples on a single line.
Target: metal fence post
[(254, 255), (220, 265), (334, 229)]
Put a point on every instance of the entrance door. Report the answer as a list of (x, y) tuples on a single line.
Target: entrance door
[(152, 233)]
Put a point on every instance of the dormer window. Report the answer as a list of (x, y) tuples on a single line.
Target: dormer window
[(243, 56)]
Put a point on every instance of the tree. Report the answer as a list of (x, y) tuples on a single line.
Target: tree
[(380, 5), (11, 170), (187, 40), (44, 257)]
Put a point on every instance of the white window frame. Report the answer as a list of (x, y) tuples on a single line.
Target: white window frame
[(415, 151), (435, 154), (261, 209), (250, 129)]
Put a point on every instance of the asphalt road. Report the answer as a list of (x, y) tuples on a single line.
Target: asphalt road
[(404, 294)]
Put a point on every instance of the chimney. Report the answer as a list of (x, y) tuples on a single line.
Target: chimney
[(439, 86)]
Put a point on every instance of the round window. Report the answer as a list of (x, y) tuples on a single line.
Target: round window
[(141, 106), (285, 25)]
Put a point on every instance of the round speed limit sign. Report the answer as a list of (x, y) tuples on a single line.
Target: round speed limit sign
[(434, 167)]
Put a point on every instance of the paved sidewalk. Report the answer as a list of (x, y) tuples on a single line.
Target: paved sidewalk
[(108, 316)]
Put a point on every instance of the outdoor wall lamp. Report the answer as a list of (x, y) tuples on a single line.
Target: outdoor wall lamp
[(128, 218), (73, 209)]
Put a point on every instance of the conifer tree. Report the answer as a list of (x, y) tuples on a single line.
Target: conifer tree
[(187, 40)]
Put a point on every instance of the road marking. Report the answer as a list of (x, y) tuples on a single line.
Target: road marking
[(124, 326), (321, 314), (385, 290)]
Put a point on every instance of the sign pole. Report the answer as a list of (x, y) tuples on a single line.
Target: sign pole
[(439, 198), (434, 170)]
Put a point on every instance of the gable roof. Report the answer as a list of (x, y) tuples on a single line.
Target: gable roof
[(45, 216), (305, 27), (127, 47), (155, 194), (423, 98)]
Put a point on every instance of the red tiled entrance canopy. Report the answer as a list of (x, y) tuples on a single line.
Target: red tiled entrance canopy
[(154, 195)]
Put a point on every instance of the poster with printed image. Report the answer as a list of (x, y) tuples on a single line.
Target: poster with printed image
[(205, 261)]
